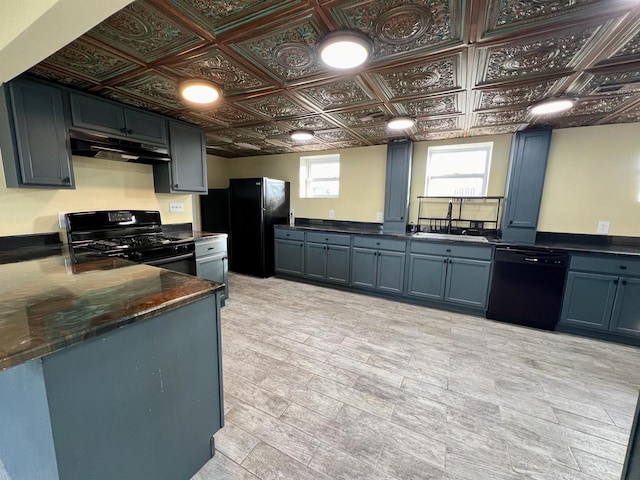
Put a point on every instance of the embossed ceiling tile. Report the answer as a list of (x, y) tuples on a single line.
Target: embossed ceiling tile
[(443, 105), (351, 144), (545, 55), (568, 122), (287, 51), (629, 49), (334, 95), (144, 32), (438, 124), (228, 114), (132, 100), (398, 27), (592, 106), (87, 60), (47, 73), (375, 131), (156, 88), (214, 65), (505, 15), (271, 129), (333, 136), (275, 106), (229, 135), (223, 15), (626, 117), (362, 117), (201, 122), (438, 135), (499, 130), (316, 147), (500, 118), (609, 83), (420, 78), (315, 123), (513, 96)]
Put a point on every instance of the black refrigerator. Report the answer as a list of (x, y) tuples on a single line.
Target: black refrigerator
[(255, 206)]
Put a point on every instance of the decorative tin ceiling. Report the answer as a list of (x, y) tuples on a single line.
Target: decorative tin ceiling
[(462, 68)]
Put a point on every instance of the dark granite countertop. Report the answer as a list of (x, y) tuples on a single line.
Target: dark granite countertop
[(196, 235), (53, 302), (566, 242)]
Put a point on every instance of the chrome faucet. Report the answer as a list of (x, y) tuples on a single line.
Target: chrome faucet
[(449, 214)]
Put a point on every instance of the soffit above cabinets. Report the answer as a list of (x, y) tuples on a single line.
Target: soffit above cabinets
[(461, 68)]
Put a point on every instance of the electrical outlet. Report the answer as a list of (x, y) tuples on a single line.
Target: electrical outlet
[(379, 217), (332, 214), (603, 227), (292, 211), (62, 222), (176, 207)]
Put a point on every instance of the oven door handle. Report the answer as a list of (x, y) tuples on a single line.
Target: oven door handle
[(161, 261)]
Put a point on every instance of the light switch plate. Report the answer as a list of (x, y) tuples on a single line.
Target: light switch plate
[(379, 217), (61, 220), (603, 227), (176, 207), (332, 213)]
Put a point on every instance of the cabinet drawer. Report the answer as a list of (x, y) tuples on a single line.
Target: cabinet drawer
[(211, 246), (612, 265), (288, 234), (380, 243), (333, 238), (451, 250)]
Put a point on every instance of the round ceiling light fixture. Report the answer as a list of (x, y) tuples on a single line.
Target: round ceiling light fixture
[(199, 91), (552, 105), (301, 135), (344, 49), (401, 123)]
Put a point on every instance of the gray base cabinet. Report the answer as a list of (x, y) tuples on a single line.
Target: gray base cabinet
[(449, 276), (378, 264), (212, 262), (289, 252), (327, 257), (33, 136), (598, 298)]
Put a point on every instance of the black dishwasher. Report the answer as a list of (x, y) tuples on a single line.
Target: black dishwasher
[(526, 286)]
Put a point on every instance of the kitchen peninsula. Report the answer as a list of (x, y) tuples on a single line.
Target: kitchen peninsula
[(108, 369)]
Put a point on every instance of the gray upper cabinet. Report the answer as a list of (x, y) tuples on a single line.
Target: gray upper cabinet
[(33, 135), (187, 172), (398, 175), (96, 114), (525, 180)]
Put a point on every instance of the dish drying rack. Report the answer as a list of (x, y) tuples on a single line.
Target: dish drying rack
[(460, 215)]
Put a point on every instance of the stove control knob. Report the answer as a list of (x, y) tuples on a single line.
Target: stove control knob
[(135, 256)]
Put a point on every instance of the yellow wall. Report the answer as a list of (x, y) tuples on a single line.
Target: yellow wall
[(100, 185), (362, 177), (593, 174)]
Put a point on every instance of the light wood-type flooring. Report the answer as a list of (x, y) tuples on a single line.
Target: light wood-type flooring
[(326, 384)]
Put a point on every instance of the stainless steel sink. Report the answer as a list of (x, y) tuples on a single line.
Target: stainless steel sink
[(447, 236)]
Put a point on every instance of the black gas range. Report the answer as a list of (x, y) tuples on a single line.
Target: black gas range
[(134, 235)]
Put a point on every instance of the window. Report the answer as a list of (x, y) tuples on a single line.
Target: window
[(320, 176), (458, 171)]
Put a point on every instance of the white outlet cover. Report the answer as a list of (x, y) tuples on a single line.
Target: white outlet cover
[(176, 207), (603, 227), (379, 217), (332, 213), (61, 220)]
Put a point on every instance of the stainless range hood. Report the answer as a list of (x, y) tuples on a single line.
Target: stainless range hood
[(108, 148)]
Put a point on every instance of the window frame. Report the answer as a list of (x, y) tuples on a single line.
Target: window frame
[(306, 162), (486, 146)]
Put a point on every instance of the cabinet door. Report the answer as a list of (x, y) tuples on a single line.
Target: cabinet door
[(468, 282), (338, 257), (41, 135), (214, 268), (95, 114), (390, 271), (145, 127), (427, 276), (188, 158), (626, 309), (363, 267), (396, 198), (289, 256), (588, 300), (315, 261)]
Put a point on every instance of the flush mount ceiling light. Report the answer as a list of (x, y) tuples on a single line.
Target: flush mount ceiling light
[(400, 123), (552, 105), (302, 135), (344, 49), (199, 91)]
